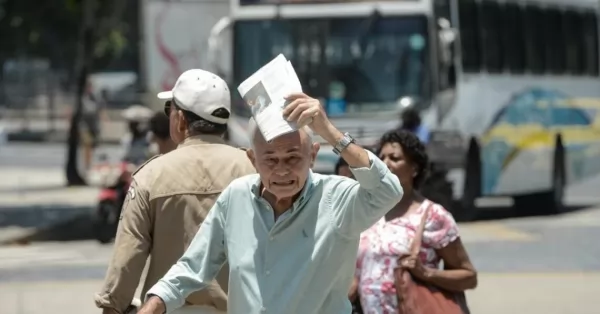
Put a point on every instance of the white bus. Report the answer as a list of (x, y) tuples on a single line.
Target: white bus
[(360, 57), (495, 81), (525, 88)]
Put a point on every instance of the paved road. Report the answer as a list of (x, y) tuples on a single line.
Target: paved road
[(53, 156), (548, 265)]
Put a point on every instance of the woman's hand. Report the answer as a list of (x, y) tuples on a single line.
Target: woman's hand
[(415, 267)]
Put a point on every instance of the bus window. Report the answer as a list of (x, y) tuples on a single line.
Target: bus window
[(574, 42), (590, 33), (534, 39), (389, 61), (491, 24), (513, 38), (555, 47), (469, 35)]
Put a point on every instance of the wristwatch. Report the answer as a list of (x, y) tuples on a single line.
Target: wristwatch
[(343, 143)]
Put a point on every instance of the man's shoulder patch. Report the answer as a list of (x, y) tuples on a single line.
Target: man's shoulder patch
[(130, 196), (147, 162)]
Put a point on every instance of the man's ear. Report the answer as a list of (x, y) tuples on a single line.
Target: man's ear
[(313, 154), (181, 122), (251, 156)]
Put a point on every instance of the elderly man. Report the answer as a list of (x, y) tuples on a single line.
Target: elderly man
[(171, 195), (290, 236)]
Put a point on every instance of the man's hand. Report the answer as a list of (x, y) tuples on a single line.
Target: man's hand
[(154, 305), (305, 110)]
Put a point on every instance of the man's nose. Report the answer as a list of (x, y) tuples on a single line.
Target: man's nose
[(281, 169)]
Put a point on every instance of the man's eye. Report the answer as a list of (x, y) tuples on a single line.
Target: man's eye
[(293, 159)]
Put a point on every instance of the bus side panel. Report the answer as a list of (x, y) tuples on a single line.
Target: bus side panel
[(517, 120)]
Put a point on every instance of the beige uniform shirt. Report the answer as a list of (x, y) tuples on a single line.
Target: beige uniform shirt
[(168, 200)]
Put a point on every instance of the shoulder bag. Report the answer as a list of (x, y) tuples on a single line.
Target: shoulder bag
[(417, 297)]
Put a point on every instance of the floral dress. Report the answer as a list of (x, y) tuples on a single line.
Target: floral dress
[(382, 245)]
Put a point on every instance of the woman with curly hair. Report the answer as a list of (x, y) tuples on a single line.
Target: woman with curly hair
[(386, 244)]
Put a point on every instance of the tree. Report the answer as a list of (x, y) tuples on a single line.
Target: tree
[(99, 24)]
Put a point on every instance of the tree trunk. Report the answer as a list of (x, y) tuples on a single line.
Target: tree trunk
[(83, 67)]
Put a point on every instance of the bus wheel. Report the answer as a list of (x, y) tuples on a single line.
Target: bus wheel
[(437, 188), (552, 201), (467, 210)]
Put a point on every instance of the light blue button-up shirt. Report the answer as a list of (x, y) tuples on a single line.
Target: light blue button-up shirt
[(302, 263)]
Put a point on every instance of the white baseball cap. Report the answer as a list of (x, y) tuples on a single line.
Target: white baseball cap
[(200, 92)]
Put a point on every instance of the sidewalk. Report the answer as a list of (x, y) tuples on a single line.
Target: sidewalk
[(41, 129), (496, 294), (35, 200)]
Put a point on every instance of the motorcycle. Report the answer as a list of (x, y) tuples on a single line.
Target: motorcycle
[(115, 180)]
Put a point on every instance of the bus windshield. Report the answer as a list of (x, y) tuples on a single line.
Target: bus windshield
[(369, 62)]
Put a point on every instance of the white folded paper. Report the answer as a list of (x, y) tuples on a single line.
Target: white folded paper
[(264, 92)]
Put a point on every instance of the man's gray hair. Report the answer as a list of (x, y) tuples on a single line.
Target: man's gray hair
[(254, 132)]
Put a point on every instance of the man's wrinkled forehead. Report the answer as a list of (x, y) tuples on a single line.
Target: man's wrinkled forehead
[(286, 143)]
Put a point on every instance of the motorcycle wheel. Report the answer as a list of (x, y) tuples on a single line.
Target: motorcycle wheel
[(105, 221)]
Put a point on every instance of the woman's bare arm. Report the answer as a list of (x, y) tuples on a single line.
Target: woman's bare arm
[(458, 273)]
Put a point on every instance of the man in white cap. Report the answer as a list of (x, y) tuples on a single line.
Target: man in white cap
[(171, 195)]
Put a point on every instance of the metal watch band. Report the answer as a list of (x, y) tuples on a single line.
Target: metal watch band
[(343, 143)]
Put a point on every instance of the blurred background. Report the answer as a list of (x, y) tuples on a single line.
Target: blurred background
[(505, 94)]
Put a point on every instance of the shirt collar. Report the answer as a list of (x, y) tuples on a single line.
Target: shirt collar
[(201, 139), (304, 195)]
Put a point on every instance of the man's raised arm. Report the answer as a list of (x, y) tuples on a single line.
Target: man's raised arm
[(196, 268), (357, 205)]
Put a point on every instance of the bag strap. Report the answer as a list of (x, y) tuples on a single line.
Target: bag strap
[(415, 246)]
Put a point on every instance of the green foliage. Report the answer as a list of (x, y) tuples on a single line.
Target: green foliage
[(111, 45), (50, 29)]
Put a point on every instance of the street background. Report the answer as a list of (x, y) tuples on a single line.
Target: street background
[(49, 260)]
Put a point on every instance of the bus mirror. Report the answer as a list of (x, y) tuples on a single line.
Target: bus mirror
[(219, 48)]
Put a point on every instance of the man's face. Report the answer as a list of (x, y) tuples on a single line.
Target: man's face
[(284, 163), (176, 130)]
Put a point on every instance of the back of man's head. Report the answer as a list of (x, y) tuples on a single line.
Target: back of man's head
[(204, 100)]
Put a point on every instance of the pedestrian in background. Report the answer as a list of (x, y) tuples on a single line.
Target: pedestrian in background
[(290, 236), (171, 195), (343, 169), (159, 132), (92, 114)]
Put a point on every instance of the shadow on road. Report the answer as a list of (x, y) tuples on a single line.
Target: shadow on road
[(499, 213), (78, 225), (39, 216)]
